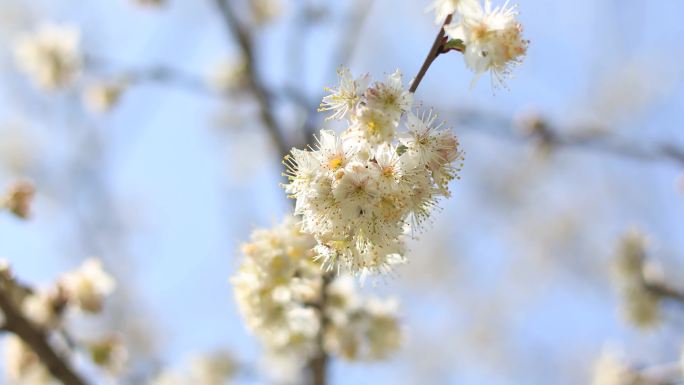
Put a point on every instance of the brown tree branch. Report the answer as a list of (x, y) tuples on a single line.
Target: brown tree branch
[(318, 365), (500, 126), (244, 41), (435, 51), (664, 290), (37, 340)]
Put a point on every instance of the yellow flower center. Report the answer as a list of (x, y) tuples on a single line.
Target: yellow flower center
[(335, 162)]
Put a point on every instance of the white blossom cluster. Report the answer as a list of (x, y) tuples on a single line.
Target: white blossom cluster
[(279, 293), (81, 290), (360, 192), (490, 37), (50, 56)]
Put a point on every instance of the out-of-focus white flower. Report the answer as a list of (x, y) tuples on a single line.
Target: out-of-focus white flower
[(88, 286), (42, 308), (22, 366), (265, 11), (632, 274), (51, 56), (492, 38), (283, 368), (18, 198), (278, 290), (360, 328), (610, 369), (101, 97), (275, 287), (213, 369), (150, 3), (641, 307), (167, 377), (346, 96), (109, 353), (229, 74), (444, 8), (631, 255)]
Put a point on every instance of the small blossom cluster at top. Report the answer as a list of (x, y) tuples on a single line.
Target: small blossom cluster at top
[(81, 291), (278, 289), (361, 191), (489, 37)]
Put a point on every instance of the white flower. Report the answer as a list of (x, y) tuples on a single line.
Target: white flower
[(87, 286), (278, 290), (610, 369), (229, 74), (444, 8), (150, 3), (361, 328), (41, 308), (347, 95), (51, 56), (371, 126), (167, 377), (428, 145), (390, 96), (22, 365), (109, 353), (265, 11), (359, 192), (275, 287), (492, 38), (358, 195)]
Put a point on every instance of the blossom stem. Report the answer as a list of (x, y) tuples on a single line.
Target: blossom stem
[(435, 51)]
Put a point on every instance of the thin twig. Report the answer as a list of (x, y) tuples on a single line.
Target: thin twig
[(244, 41), (663, 290), (37, 340), (435, 51), (502, 127)]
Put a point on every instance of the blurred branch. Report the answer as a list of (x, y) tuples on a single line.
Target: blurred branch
[(244, 41), (37, 340), (661, 374), (664, 290), (542, 132)]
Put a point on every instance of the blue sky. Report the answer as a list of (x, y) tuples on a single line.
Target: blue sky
[(188, 192)]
